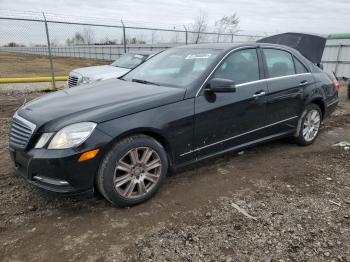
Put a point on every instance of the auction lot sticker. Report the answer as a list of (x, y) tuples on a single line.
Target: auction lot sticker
[(198, 56)]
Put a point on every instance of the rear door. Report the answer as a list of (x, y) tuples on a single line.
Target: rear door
[(287, 77)]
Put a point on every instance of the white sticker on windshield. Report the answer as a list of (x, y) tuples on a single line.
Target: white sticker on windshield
[(198, 56)]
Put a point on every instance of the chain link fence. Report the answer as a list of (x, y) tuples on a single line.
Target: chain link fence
[(41, 44)]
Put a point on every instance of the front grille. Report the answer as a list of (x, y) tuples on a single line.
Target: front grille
[(21, 131), (72, 81)]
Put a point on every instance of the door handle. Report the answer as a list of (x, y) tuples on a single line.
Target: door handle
[(303, 83), (260, 93)]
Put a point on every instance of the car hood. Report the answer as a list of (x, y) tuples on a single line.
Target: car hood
[(101, 72), (97, 102)]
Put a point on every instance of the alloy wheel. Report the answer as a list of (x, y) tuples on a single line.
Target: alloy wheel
[(311, 125), (137, 172)]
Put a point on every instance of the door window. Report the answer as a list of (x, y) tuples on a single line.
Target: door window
[(241, 67), (279, 63)]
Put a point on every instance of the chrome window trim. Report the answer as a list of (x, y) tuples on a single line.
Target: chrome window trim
[(251, 82), (25, 121), (271, 79), (233, 137)]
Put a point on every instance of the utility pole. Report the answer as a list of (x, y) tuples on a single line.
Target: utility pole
[(186, 36), (124, 37)]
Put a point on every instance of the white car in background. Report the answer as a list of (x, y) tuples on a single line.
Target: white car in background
[(118, 68)]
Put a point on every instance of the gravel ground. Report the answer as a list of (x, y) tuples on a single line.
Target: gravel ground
[(306, 221), (275, 202)]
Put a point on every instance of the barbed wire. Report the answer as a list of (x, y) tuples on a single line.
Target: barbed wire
[(112, 22)]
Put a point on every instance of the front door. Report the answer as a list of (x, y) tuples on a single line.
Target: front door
[(224, 121)]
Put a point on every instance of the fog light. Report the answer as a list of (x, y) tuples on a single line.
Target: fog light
[(88, 155)]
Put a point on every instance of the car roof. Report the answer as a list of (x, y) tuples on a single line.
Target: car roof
[(229, 46), (220, 46), (217, 46), (144, 52)]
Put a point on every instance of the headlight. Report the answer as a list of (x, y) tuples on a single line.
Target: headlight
[(86, 80), (72, 135)]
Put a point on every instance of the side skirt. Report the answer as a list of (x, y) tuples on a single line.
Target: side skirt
[(235, 148)]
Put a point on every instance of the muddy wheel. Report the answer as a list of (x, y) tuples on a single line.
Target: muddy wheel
[(309, 125), (132, 171)]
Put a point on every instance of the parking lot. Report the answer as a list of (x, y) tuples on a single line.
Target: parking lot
[(295, 203)]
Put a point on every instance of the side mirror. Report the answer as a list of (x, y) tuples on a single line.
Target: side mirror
[(220, 85), (320, 66)]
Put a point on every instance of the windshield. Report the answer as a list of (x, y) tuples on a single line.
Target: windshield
[(129, 61), (177, 67)]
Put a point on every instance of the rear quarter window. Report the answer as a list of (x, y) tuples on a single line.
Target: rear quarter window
[(299, 67)]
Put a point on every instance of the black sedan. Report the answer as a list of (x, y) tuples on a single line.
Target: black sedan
[(121, 136)]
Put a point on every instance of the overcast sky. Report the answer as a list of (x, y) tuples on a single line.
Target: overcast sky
[(271, 16)]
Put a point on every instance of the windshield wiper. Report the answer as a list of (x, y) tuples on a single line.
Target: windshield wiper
[(144, 82)]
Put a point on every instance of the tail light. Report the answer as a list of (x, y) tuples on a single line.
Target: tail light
[(336, 85)]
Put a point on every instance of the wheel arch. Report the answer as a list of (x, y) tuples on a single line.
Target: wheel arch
[(151, 132), (320, 103), (317, 101)]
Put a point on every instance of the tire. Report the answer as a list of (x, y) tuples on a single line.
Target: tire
[(123, 179), (302, 137)]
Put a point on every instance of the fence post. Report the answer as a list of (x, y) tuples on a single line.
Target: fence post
[(124, 37), (338, 60), (50, 54), (186, 34), (231, 38)]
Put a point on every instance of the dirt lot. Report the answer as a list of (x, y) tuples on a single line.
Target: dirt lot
[(298, 199), (23, 65)]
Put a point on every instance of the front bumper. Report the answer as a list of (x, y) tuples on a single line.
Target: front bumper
[(57, 174), (59, 170)]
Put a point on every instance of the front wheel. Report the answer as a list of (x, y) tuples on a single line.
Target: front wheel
[(132, 171), (309, 125)]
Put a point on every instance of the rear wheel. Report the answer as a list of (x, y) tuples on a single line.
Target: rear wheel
[(132, 171), (309, 125)]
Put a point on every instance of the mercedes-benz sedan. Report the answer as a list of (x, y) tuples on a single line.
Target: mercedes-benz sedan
[(119, 67), (121, 136)]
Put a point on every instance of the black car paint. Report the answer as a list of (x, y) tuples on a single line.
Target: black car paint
[(61, 165), (192, 124), (97, 102)]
